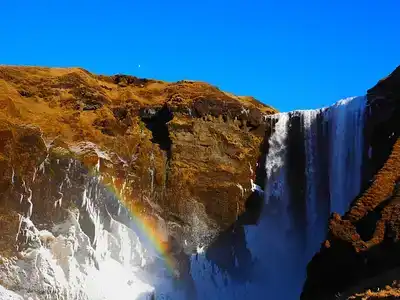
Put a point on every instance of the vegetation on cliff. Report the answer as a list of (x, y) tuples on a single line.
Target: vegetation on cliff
[(170, 149)]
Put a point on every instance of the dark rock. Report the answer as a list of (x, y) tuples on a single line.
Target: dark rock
[(364, 243)]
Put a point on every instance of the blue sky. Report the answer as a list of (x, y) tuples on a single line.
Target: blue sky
[(289, 54)]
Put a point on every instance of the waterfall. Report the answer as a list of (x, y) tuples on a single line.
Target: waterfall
[(345, 120), (333, 153), (313, 168), (333, 148), (310, 126), (96, 252)]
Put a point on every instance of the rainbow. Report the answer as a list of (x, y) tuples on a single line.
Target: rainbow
[(154, 237), (146, 227)]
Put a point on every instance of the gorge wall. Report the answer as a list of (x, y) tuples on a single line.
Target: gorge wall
[(189, 192), (170, 144), (116, 168)]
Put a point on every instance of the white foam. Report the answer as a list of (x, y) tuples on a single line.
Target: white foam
[(6, 294), (62, 264)]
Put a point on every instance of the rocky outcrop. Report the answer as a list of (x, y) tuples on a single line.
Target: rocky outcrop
[(167, 150), (363, 245)]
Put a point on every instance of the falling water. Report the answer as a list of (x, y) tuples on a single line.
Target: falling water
[(310, 126), (345, 120), (333, 143), (78, 257), (255, 266), (333, 148)]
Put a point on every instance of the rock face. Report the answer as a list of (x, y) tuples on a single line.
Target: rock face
[(361, 250), (174, 151), (181, 156)]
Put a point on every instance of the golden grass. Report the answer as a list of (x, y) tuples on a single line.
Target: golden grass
[(381, 188), (385, 293), (54, 99)]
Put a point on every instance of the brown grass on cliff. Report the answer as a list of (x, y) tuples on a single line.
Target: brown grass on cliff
[(387, 293), (211, 148), (57, 84), (75, 104), (380, 190)]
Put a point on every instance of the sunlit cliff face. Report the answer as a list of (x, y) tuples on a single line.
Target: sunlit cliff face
[(71, 253), (149, 190), (101, 173)]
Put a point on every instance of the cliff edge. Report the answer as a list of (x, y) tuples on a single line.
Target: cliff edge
[(183, 152)]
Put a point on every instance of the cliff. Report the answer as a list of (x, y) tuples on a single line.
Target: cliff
[(180, 156), (183, 152), (360, 254)]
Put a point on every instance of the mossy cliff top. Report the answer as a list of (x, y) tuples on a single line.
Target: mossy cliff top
[(178, 149)]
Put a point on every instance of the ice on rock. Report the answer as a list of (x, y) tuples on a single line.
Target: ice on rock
[(8, 295), (64, 265), (114, 261)]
